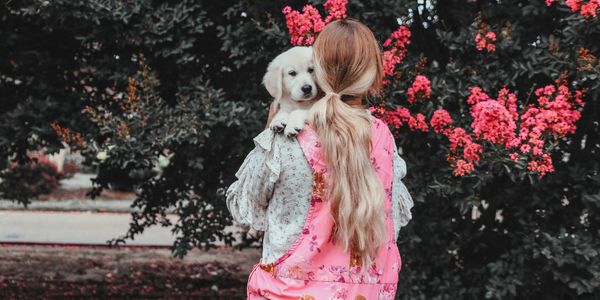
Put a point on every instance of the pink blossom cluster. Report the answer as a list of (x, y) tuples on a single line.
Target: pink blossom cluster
[(464, 152), (441, 121), (494, 120), (588, 10), (395, 50), (462, 167), (494, 123), (336, 9), (508, 100), (420, 89), (525, 137), (554, 117), (400, 116), (485, 41), (304, 26), (476, 95)]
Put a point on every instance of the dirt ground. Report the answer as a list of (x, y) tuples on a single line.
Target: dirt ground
[(80, 193), (63, 272)]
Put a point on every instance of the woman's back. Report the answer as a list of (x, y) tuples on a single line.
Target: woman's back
[(316, 261), (347, 244), (273, 191)]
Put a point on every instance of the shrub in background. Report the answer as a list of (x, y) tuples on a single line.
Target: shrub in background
[(69, 169), (25, 181)]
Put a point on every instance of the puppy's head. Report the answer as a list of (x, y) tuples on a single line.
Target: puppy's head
[(291, 75)]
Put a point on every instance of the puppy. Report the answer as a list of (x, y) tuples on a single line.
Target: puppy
[(290, 80)]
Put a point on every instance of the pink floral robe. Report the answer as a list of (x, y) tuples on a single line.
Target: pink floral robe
[(315, 267)]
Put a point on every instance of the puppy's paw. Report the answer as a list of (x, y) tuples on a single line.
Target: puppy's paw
[(279, 122), (291, 131), (295, 123), (278, 125)]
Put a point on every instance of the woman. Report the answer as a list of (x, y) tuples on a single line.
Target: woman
[(331, 201)]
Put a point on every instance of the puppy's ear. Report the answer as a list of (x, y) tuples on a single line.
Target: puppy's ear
[(273, 80)]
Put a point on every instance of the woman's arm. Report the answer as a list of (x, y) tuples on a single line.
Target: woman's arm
[(402, 201), (248, 197)]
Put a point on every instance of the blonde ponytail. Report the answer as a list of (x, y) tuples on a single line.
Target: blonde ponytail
[(355, 191), (348, 64)]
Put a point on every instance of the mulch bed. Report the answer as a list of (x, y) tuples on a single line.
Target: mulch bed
[(107, 194), (30, 272)]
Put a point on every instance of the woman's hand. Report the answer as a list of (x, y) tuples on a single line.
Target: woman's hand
[(273, 109)]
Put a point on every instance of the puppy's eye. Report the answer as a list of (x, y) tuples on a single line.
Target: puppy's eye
[(292, 73), (310, 70)]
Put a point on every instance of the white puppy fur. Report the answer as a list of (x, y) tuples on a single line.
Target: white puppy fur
[(290, 80)]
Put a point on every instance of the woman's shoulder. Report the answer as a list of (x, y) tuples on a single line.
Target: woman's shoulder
[(381, 130), (378, 123)]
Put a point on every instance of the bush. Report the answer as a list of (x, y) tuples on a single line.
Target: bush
[(486, 224), (37, 177), (69, 169)]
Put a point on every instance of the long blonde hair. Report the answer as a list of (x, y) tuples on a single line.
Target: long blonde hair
[(348, 65)]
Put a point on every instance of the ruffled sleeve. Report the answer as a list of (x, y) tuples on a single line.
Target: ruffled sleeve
[(248, 197), (402, 201)]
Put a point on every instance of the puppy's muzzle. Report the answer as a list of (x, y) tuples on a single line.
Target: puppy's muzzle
[(307, 90)]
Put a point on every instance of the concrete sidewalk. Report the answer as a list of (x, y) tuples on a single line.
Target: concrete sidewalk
[(79, 180), (120, 206), (75, 228)]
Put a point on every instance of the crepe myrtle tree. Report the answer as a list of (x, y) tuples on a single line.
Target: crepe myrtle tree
[(494, 106), (507, 212)]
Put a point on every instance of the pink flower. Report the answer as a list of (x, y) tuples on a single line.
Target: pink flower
[(304, 26), (471, 151), (420, 89), (418, 123), (509, 100), (542, 165), (440, 121), (493, 122), (552, 118), (390, 60), (458, 138), (587, 9), (401, 116), (463, 167), (556, 113), (490, 36), (485, 41), (590, 9), (395, 50), (525, 136), (476, 95), (573, 4), (480, 42), (514, 156), (336, 9)]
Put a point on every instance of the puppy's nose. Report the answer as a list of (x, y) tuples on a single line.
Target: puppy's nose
[(306, 88)]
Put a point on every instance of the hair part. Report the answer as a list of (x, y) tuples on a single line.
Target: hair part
[(348, 63)]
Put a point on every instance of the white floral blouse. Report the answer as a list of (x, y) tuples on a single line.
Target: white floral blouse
[(272, 193)]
